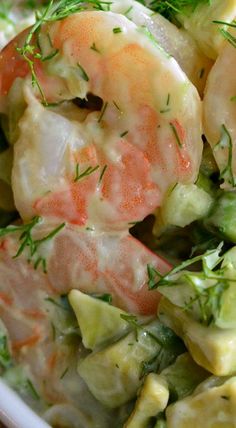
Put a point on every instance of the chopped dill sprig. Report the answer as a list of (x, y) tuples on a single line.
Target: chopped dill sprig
[(83, 73), (169, 8), (102, 173), (88, 171), (117, 30), (104, 107), (27, 241), (225, 142), (225, 33), (176, 135), (54, 11), (200, 293)]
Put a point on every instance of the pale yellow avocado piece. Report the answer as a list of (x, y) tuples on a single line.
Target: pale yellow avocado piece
[(99, 322), (153, 399), (213, 407), (113, 375), (198, 23), (210, 346)]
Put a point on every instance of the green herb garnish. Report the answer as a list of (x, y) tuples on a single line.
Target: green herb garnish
[(176, 135), (225, 142), (27, 241), (83, 73), (117, 30), (88, 171)]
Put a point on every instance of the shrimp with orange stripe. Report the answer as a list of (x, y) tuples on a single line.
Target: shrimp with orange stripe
[(119, 125)]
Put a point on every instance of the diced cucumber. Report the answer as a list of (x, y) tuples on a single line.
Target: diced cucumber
[(183, 376), (221, 219), (183, 205)]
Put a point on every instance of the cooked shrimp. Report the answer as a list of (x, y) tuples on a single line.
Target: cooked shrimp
[(146, 138), (176, 41), (220, 114), (31, 298), (80, 259)]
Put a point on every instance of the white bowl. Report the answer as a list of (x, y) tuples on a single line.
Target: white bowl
[(14, 413)]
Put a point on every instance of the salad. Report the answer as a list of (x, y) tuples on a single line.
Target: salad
[(117, 211)]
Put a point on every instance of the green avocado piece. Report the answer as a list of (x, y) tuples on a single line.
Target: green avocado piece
[(211, 347), (99, 322), (114, 374)]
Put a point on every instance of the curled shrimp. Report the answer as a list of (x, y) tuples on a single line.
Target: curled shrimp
[(88, 172), (220, 114), (175, 41), (30, 296), (121, 159)]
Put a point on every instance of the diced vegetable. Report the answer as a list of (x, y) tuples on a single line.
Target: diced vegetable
[(212, 405), (208, 296), (114, 374), (221, 218), (210, 346), (5, 354), (153, 399), (99, 322), (183, 205), (183, 376), (17, 378)]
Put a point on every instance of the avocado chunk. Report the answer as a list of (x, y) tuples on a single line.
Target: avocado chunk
[(99, 322), (183, 376), (152, 399), (184, 204), (114, 374), (208, 296), (210, 346), (212, 405), (221, 219)]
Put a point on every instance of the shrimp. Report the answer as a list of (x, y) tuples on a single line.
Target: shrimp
[(30, 296), (115, 165), (175, 41), (220, 114)]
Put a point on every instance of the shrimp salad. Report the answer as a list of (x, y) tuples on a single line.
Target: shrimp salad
[(118, 211)]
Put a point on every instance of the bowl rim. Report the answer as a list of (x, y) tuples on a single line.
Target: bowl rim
[(14, 413)]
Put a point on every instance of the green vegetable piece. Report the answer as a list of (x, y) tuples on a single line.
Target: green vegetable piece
[(208, 296), (18, 379), (99, 322), (183, 376), (221, 220), (211, 406), (161, 423), (227, 314), (210, 346), (114, 374), (183, 205), (152, 400), (5, 355)]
